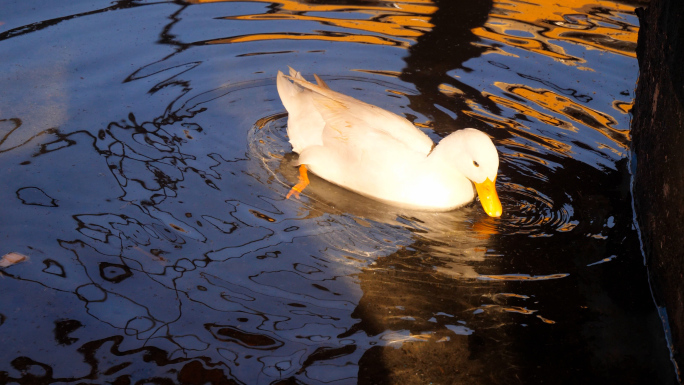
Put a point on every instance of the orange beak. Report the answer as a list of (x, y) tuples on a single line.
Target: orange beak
[(488, 197)]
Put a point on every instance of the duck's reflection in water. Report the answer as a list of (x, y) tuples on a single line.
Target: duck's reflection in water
[(426, 297)]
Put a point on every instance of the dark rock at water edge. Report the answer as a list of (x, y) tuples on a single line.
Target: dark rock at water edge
[(658, 156)]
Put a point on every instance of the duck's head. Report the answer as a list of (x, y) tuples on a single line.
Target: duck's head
[(478, 160)]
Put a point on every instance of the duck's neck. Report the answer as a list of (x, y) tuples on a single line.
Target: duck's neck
[(447, 150), (441, 174)]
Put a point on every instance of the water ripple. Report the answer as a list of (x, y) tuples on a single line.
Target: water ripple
[(155, 173)]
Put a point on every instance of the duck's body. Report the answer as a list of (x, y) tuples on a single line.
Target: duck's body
[(381, 155)]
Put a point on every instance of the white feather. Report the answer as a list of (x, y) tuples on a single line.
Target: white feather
[(379, 154)]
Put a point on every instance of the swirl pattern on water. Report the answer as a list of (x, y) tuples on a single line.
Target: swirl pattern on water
[(531, 212)]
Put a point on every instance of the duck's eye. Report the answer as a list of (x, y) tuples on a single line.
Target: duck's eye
[(476, 164)]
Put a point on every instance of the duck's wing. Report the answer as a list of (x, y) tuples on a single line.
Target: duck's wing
[(342, 112), (361, 158)]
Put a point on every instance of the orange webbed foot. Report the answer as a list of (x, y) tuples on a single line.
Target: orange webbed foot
[(303, 182)]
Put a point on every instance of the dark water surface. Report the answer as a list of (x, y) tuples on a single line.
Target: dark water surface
[(144, 164)]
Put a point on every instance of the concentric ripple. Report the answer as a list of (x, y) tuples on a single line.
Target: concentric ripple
[(534, 213)]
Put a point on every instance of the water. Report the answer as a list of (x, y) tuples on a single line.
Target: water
[(145, 163)]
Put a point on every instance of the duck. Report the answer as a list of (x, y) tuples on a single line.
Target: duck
[(381, 155)]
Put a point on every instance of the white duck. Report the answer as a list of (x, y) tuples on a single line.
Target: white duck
[(381, 155)]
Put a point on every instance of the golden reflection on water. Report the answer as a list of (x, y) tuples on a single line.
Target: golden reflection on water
[(545, 22), (552, 101), (537, 26), (397, 23), (522, 277), (414, 6), (340, 37), (544, 27)]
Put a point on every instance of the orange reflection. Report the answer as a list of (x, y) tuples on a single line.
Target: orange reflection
[(523, 109), (522, 277), (400, 26), (262, 216), (387, 21), (513, 295), (539, 25), (484, 230), (624, 107), (341, 37), (414, 6), (10, 259), (517, 309), (567, 226), (391, 74), (567, 107), (517, 129), (510, 309)]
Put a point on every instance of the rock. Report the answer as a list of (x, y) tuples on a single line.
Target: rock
[(658, 156)]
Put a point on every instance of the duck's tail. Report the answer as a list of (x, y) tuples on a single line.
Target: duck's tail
[(304, 123), (287, 90)]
